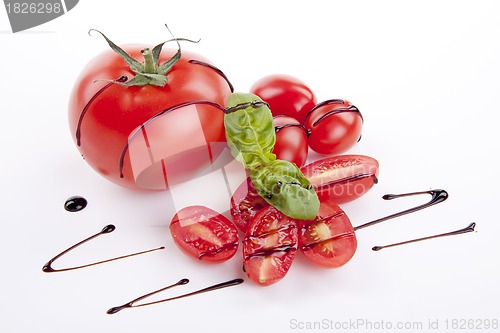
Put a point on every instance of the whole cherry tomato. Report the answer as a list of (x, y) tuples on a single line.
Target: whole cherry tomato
[(291, 140), (286, 95), (329, 240), (147, 135), (204, 234), (269, 246), (342, 178), (333, 126)]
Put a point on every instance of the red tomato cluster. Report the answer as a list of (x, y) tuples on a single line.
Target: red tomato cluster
[(144, 135), (270, 240), (329, 127)]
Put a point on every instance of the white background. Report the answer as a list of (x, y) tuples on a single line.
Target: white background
[(425, 75)]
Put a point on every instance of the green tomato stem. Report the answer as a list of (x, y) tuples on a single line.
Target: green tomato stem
[(150, 67)]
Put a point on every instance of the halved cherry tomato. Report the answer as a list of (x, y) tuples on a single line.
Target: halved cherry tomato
[(329, 240), (245, 203), (342, 178), (333, 126), (204, 234), (286, 95), (291, 140), (269, 246)]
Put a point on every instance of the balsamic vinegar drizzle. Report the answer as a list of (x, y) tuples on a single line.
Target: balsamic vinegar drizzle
[(132, 304), (280, 127), (78, 134), (350, 179), (217, 70), (469, 228), (141, 128), (47, 268), (350, 108), (75, 203), (242, 106), (437, 196)]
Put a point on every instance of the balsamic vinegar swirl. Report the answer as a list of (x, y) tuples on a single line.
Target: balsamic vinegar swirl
[(470, 228), (47, 268), (437, 196), (181, 282)]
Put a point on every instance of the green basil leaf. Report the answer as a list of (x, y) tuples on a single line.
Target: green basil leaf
[(282, 184), (249, 130)]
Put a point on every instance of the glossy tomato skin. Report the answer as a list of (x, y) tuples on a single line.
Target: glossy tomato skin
[(204, 234), (286, 95), (333, 126), (328, 241), (245, 204), (103, 115), (342, 178), (269, 246), (291, 140)]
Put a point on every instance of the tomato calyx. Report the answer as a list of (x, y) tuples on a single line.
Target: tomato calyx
[(149, 72)]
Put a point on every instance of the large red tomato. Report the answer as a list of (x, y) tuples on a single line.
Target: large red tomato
[(149, 136)]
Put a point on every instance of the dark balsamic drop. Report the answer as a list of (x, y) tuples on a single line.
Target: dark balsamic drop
[(75, 204)]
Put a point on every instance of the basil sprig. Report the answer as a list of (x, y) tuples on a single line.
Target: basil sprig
[(251, 136)]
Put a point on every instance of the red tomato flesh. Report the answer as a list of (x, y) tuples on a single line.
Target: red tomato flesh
[(245, 204), (342, 178), (328, 241), (204, 234), (269, 246)]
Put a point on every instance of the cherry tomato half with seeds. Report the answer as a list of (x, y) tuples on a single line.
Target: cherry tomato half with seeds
[(269, 246), (333, 126), (291, 140), (245, 204), (177, 145), (286, 95), (342, 178), (328, 241), (204, 234)]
